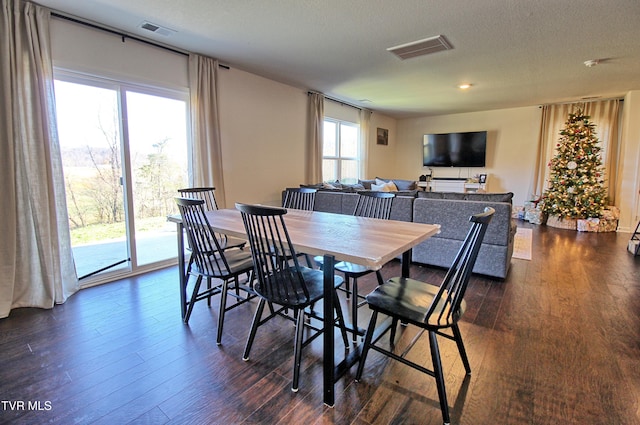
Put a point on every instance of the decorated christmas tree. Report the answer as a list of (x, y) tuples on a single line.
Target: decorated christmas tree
[(576, 179)]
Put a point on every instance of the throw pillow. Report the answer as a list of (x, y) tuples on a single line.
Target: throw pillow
[(367, 183), (405, 184), (353, 187), (402, 184), (384, 187), (313, 186)]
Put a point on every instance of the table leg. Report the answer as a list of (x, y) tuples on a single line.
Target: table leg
[(182, 271), (328, 362), (406, 263)]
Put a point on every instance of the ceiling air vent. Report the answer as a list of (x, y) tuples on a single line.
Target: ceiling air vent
[(421, 47), (157, 29)]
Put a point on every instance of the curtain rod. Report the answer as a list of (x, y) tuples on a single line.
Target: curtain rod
[(621, 99), (336, 100), (122, 34)]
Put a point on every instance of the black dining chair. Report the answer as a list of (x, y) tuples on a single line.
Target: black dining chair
[(284, 283), (429, 307), (300, 198), (207, 194), (370, 204), (211, 261)]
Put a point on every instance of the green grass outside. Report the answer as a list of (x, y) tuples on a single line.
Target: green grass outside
[(102, 232)]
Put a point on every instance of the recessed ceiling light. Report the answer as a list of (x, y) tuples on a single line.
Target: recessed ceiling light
[(465, 86)]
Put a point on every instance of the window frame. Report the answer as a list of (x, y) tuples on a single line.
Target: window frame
[(338, 158), (121, 85)]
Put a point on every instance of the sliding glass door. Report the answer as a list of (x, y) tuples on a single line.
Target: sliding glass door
[(124, 151)]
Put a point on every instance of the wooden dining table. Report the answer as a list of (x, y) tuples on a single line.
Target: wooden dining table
[(337, 237)]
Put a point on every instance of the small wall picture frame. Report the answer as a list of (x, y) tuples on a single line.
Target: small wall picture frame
[(482, 179), (383, 136)]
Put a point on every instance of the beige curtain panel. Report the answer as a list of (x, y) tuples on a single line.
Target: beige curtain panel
[(36, 262), (315, 137), (205, 126), (604, 114), (365, 124)]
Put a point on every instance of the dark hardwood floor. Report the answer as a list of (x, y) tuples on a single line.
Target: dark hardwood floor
[(557, 342)]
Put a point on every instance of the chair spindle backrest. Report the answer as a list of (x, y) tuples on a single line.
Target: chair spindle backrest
[(374, 204), (451, 293), (207, 194), (205, 246), (275, 261), (299, 198)]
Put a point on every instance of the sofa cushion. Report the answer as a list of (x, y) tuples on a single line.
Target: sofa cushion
[(431, 195), (328, 201), (402, 208), (402, 184), (493, 260), (456, 196)]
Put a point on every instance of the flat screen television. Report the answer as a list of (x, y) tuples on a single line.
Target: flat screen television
[(467, 149)]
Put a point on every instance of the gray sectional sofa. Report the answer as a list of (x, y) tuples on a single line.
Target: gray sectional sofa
[(451, 211)]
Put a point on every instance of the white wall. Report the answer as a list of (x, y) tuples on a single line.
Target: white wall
[(511, 147), (263, 127), (382, 158), (95, 52)]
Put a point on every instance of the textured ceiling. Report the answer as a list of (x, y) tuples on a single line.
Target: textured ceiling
[(515, 53)]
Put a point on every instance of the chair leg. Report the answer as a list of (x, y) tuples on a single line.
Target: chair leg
[(354, 308), (209, 292), (392, 334), (457, 336), (347, 285), (194, 294), (367, 344), (437, 372), (223, 308), (297, 349), (236, 282), (309, 262), (254, 327)]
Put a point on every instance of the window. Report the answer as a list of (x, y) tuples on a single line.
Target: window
[(341, 151), (125, 153)]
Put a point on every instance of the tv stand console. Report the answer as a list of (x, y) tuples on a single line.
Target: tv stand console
[(440, 184)]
